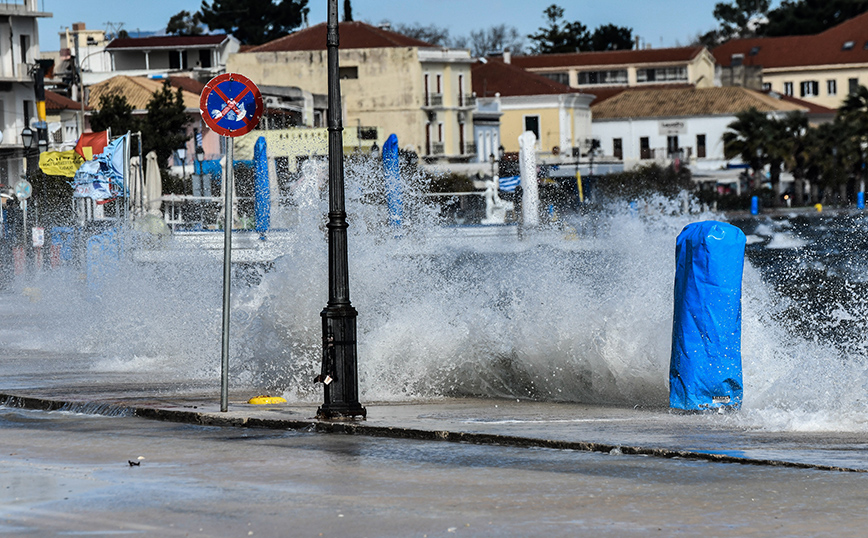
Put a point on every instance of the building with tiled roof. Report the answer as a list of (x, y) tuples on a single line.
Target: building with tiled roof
[(681, 123), (823, 68), (624, 68), (558, 115), (138, 91), (202, 56), (390, 83), (62, 115)]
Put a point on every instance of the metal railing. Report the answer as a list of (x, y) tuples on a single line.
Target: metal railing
[(467, 100), (437, 148)]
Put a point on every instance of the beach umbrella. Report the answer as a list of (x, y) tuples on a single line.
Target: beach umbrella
[(153, 184)]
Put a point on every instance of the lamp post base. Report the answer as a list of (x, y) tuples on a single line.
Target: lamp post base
[(341, 412)]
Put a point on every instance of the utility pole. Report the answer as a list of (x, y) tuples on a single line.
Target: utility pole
[(339, 373)]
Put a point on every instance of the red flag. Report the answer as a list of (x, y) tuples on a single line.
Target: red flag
[(90, 144)]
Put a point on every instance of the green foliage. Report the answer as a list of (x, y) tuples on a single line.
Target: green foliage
[(114, 112), (254, 23), (611, 37), (185, 23), (739, 18), (829, 155), (164, 129), (644, 181), (806, 17), (560, 35), (854, 112)]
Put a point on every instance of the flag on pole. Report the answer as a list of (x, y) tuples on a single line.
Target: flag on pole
[(508, 184), (90, 144), (60, 163)]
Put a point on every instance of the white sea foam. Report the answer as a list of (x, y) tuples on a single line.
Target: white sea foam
[(582, 317)]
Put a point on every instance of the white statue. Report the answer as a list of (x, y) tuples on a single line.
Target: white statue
[(495, 207)]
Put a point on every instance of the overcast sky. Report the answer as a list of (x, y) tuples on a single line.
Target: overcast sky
[(660, 23)]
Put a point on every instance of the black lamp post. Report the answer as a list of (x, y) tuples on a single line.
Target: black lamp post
[(339, 373)]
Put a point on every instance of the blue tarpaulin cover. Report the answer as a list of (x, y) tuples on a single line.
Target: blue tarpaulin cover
[(392, 169), (261, 187), (705, 366)]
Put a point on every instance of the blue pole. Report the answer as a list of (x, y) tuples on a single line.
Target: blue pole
[(391, 166), (860, 200), (754, 205), (705, 366), (261, 189)]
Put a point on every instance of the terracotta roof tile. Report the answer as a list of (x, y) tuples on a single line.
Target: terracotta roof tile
[(826, 48), (495, 76), (612, 57), (137, 90), (159, 41), (650, 103), (186, 83), (601, 93), (55, 101), (353, 35)]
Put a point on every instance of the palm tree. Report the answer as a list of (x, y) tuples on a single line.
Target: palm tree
[(796, 133), (834, 157), (854, 113), (777, 149), (746, 139)]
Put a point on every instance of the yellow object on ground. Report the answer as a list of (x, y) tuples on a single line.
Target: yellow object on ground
[(266, 400), (818, 207)]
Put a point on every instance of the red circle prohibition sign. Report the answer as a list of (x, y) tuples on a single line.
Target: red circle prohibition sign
[(231, 104)]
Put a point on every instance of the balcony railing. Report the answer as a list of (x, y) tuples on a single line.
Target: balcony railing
[(470, 148), (467, 100), (437, 148), (433, 99)]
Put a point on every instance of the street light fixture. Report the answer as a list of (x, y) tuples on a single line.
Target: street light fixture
[(27, 137)]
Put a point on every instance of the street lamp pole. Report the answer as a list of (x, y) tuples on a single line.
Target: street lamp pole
[(339, 373)]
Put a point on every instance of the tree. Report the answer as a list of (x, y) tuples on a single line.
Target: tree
[(854, 114), (745, 139), (560, 35), (806, 17), (797, 134), (184, 23), (430, 34), (114, 113), (348, 11), (496, 38), (740, 18), (834, 157), (164, 129), (611, 37), (254, 23)]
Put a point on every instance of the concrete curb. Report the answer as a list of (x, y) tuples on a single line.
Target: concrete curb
[(361, 428)]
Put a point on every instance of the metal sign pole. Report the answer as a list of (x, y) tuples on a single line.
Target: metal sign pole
[(231, 105), (229, 178)]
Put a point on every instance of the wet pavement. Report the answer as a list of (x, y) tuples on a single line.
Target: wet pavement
[(80, 454)]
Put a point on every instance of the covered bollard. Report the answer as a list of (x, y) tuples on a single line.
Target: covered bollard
[(860, 200), (261, 187), (754, 205), (705, 366)]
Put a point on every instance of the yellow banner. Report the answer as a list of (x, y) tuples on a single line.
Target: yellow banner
[(60, 163)]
